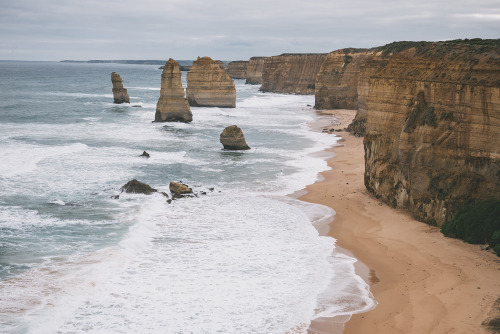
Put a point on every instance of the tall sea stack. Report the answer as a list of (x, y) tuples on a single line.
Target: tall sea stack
[(172, 105), (120, 94), (210, 86)]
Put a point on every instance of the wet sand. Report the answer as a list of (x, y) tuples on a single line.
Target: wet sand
[(422, 281)]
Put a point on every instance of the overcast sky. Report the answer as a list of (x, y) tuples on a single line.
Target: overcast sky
[(229, 29)]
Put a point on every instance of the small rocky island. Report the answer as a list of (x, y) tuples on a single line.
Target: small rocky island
[(172, 105), (120, 94), (210, 86), (232, 138)]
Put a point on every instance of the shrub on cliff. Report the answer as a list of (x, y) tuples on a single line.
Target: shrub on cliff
[(477, 223)]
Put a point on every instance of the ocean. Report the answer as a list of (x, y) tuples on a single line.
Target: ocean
[(242, 257)]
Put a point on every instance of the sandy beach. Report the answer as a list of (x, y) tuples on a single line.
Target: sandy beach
[(422, 281)]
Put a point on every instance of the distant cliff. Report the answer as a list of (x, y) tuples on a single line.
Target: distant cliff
[(255, 68), (237, 69), (432, 141), (337, 80), (291, 73)]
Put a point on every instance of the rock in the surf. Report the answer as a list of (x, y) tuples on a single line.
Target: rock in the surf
[(120, 94), (232, 138), (179, 189), (137, 187)]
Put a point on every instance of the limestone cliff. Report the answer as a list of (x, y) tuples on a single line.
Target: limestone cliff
[(237, 69), (210, 86), (337, 79), (254, 70), (120, 94), (432, 141), (172, 105), (291, 73)]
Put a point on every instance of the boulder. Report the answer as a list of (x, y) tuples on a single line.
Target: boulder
[(233, 139), (120, 94), (172, 105), (145, 154), (210, 86), (179, 189), (137, 187)]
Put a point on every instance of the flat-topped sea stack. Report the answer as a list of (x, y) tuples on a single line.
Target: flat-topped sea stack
[(210, 86), (433, 125), (120, 94), (232, 138), (172, 105), (292, 73), (237, 69), (255, 68), (337, 80)]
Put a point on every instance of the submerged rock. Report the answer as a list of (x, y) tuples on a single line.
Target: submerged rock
[(233, 139), (120, 94), (137, 187), (172, 105)]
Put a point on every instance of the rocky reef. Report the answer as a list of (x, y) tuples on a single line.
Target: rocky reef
[(172, 105), (255, 68), (293, 73), (120, 94), (237, 69), (337, 79), (432, 112), (210, 86)]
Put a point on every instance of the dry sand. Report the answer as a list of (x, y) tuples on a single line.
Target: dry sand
[(422, 281)]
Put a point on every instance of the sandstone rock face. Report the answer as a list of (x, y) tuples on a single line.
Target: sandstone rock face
[(172, 105), (179, 189), (291, 73), (237, 69), (210, 86), (337, 79), (432, 141), (232, 138), (255, 68), (120, 94)]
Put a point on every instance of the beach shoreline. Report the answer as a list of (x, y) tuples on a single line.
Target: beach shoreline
[(422, 281)]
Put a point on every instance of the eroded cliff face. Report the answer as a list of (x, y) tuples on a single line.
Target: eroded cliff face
[(432, 141), (210, 86), (237, 69), (255, 68), (337, 79), (291, 73)]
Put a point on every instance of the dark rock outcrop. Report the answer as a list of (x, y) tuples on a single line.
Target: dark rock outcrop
[(137, 187), (237, 69), (120, 94), (145, 154), (232, 138), (255, 68), (172, 105), (291, 73), (210, 86)]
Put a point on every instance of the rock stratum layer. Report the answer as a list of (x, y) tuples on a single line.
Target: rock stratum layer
[(255, 68), (210, 86), (291, 73), (172, 105), (237, 69), (120, 94), (432, 125)]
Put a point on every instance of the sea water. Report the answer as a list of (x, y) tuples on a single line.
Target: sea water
[(244, 258)]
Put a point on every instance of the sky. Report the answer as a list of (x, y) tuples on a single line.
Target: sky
[(229, 29)]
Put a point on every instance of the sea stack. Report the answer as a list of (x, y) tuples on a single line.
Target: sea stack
[(210, 86), (233, 139), (172, 105), (120, 94)]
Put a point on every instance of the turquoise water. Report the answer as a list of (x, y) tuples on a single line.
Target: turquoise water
[(244, 258)]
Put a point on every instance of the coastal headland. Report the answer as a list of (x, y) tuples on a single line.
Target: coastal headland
[(423, 282)]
